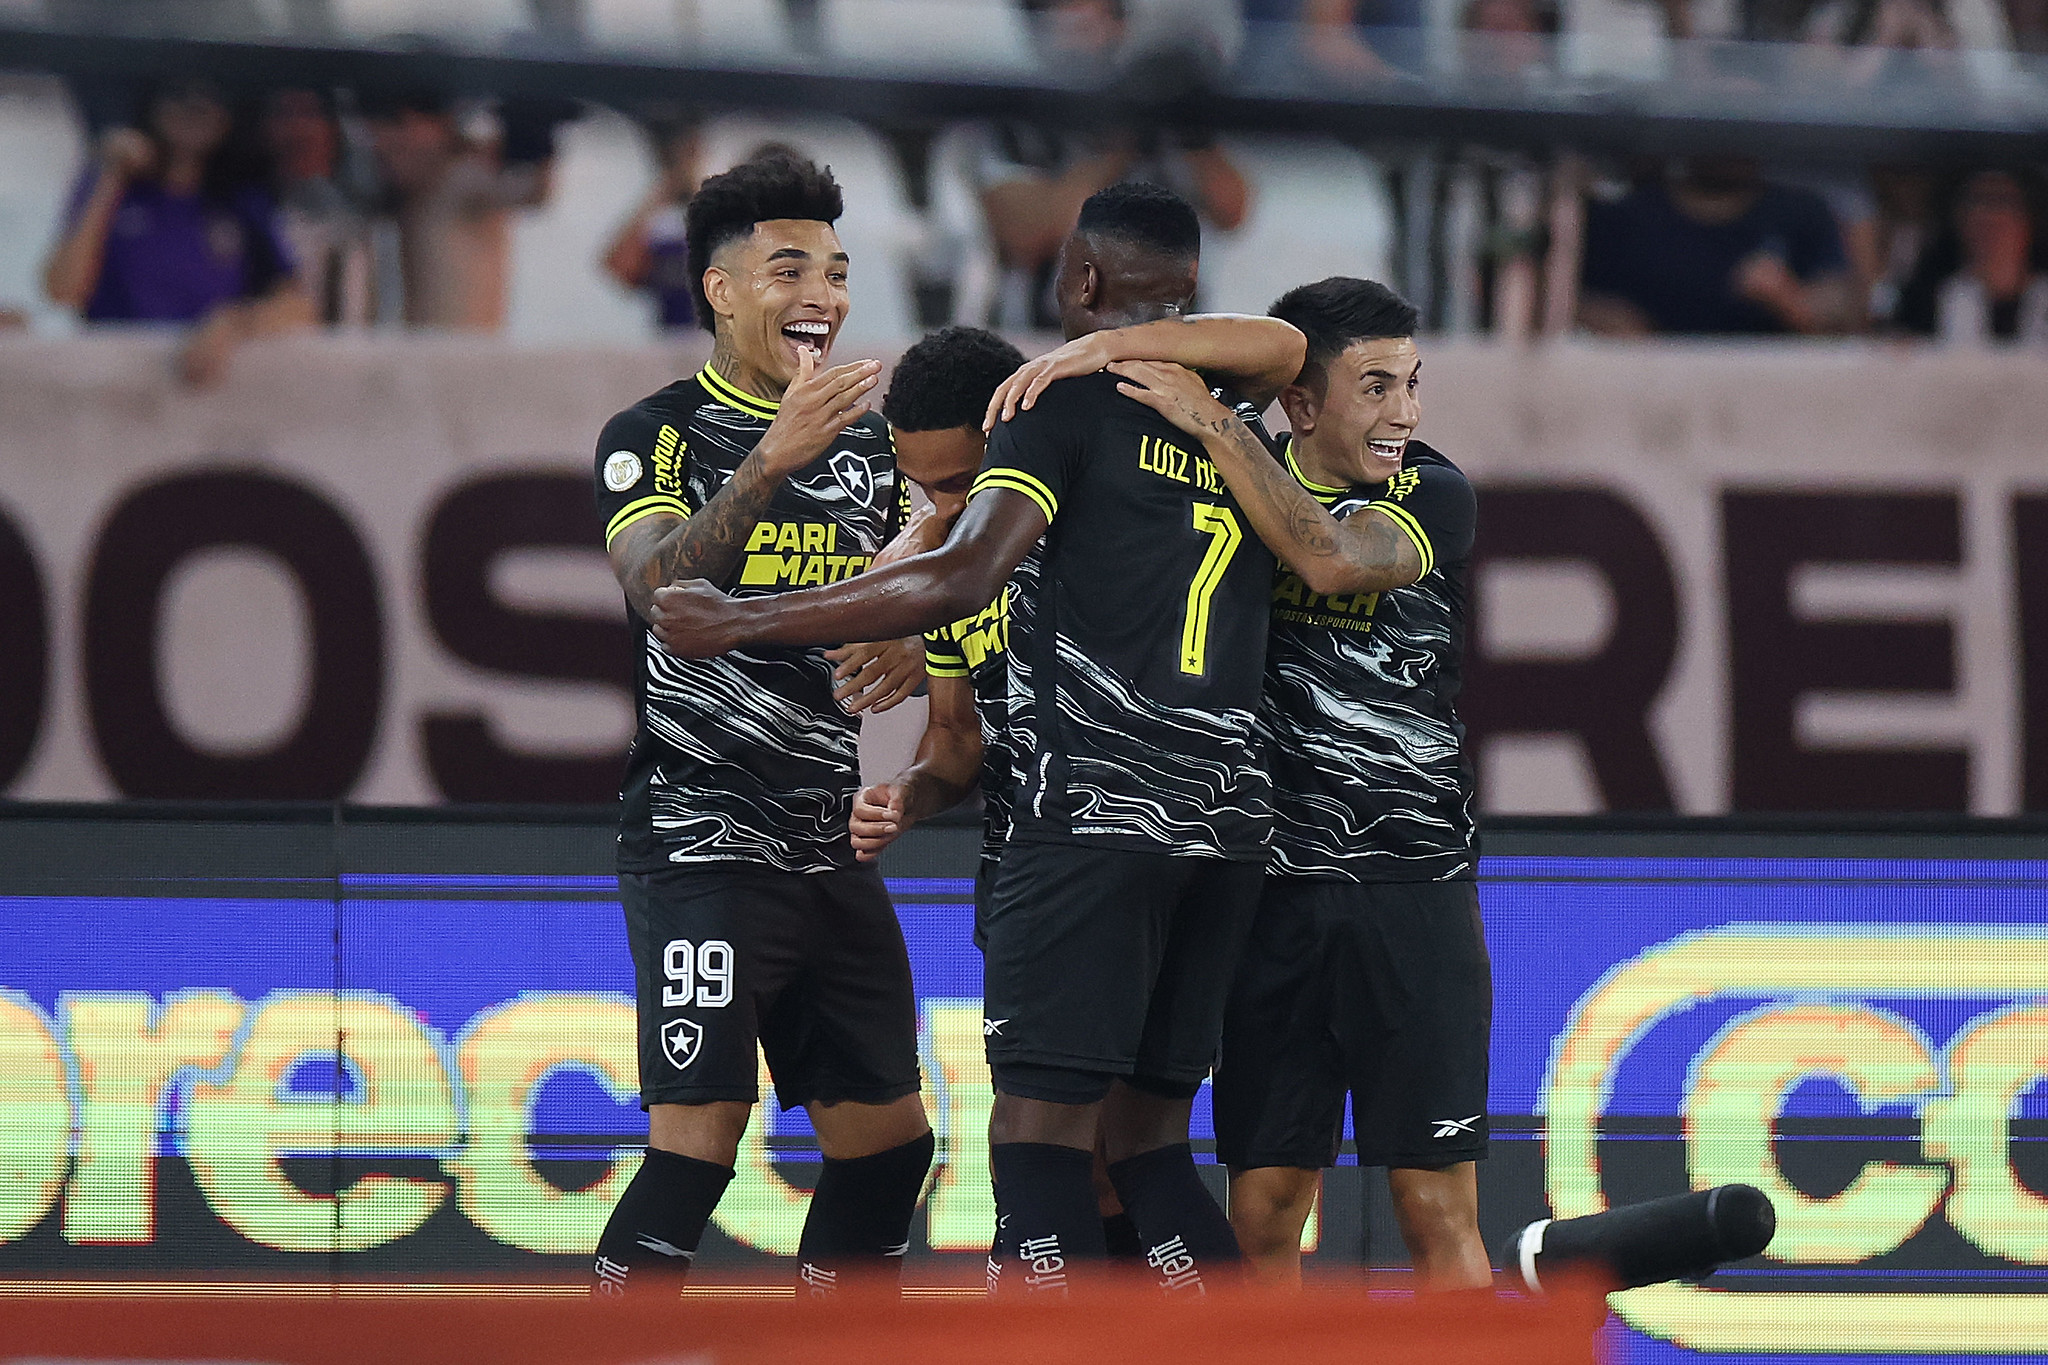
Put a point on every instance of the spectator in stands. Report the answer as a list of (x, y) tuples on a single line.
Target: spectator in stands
[(167, 228), (1351, 39), (453, 196), (1032, 179), (649, 252), (1907, 222), (325, 223), (1985, 279), (1715, 249)]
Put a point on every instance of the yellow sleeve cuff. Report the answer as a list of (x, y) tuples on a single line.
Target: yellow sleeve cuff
[(1017, 481), (641, 508), (1405, 519)]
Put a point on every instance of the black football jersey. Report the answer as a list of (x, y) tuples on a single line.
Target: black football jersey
[(1134, 686), (978, 648), (1360, 722), (745, 757)]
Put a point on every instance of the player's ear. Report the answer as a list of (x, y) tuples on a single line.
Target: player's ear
[(1300, 404), (718, 289)]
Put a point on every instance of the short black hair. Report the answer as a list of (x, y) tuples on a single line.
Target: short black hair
[(727, 206), (1146, 216), (1340, 311), (946, 379)]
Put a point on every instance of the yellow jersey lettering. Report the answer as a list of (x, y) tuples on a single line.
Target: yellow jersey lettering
[(814, 571), (767, 570), (669, 449), (1292, 601), (762, 536)]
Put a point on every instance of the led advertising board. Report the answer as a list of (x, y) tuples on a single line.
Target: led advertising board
[(405, 1046)]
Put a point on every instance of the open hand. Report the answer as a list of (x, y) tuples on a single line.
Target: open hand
[(1083, 355), (818, 405), (694, 620), (876, 677), (876, 820), (1175, 393)]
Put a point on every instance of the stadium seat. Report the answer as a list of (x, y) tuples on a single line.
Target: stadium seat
[(42, 151), (739, 28), (958, 247), (879, 230), (1318, 208), (954, 35), (480, 21), (647, 25), (559, 292)]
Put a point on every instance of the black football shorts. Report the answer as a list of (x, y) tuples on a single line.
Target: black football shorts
[(809, 965), (1382, 990), (1110, 962)]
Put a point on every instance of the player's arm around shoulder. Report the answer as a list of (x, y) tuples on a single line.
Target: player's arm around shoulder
[(1257, 356), (1354, 555)]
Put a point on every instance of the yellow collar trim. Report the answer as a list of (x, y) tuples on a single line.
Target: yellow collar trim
[(1305, 481), (745, 402)]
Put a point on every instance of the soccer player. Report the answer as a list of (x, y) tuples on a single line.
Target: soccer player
[(1366, 971), (1139, 821), (748, 917), (945, 390)]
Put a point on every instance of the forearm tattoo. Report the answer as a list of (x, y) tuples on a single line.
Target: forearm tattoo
[(1368, 544), (705, 545)]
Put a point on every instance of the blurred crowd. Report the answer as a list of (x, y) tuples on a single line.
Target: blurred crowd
[(242, 214)]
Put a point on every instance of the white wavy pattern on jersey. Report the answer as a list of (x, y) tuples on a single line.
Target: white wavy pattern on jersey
[(754, 775), (1001, 741), (1366, 782), (1181, 777)]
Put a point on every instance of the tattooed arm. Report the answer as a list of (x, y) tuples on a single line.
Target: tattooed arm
[(1365, 552), (658, 550)]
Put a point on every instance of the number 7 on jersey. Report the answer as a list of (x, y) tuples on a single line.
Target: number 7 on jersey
[(1224, 537)]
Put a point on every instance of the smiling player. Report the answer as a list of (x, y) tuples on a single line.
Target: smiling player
[(1366, 969), (748, 918)]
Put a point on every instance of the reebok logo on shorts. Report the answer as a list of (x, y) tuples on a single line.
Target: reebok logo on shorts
[(1448, 1128), (682, 1039), (991, 1027)]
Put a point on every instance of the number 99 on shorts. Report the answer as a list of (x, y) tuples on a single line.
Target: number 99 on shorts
[(696, 974), (1836, 1004)]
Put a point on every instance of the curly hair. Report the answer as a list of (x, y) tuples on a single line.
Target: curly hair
[(1338, 311), (727, 206), (946, 380)]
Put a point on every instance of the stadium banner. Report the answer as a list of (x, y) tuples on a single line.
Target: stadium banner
[(305, 1042), (1711, 577)]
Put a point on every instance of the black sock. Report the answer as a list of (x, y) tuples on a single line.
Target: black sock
[(1001, 1247), (654, 1229), (1185, 1235), (860, 1216), (1122, 1236), (1049, 1206)]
